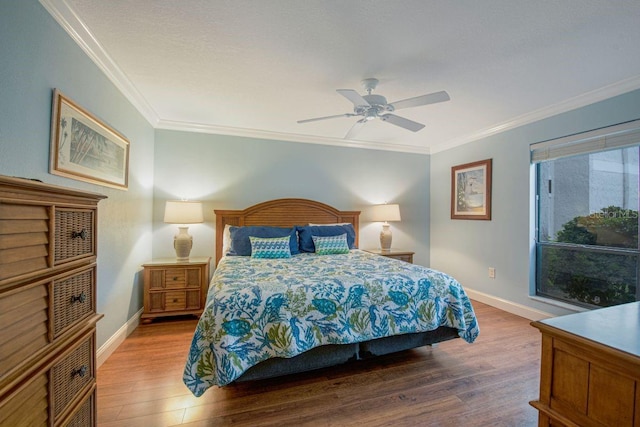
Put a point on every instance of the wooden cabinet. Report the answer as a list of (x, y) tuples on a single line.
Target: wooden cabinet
[(590, 369), (47, 304), (405, 256), (173, 288)]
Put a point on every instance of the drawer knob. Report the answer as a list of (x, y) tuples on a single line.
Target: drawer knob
[(175, 278), (82, 234), (79, 298), (81, 371), (175, 300)]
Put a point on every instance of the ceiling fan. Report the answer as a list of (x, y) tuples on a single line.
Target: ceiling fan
[(372, 107)]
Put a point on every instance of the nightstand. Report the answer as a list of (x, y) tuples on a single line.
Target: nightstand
[(406, 256), (173, 288)]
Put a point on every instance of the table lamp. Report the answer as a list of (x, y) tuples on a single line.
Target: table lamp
[(385, 213), (183, 212)]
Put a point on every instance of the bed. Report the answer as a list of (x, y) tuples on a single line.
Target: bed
[(318, 306)]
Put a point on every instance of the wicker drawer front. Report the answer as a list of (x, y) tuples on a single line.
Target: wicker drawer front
[(73, 299), (71, 375), (24, 239), (85, 415), (23, 326), (74, 234)]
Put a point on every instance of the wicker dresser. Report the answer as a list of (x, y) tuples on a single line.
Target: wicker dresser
[(47, 304)]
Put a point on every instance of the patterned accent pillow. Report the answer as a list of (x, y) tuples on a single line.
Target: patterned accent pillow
[(328, 245), (270, 247)]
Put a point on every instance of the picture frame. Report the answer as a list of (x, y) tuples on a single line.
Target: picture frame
[(471, 190), (85, 148)]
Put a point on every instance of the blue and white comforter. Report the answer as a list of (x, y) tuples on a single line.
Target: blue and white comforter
[(258, 309)]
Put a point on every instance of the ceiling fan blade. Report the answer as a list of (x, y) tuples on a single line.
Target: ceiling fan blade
[(355, 129), (326, 117), (402, 122), (431, 98), (354, 97)]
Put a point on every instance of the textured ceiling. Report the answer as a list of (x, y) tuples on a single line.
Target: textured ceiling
[(250, 67)]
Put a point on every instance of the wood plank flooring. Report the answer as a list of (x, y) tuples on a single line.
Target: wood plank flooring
[(488, 383)]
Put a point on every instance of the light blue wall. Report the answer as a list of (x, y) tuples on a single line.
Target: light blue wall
[(229, 172), (37, 55), (466, 249)]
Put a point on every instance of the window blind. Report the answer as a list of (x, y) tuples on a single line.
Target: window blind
[(608, 138)]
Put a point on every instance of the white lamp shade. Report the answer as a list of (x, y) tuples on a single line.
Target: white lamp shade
[(183, 212), (384, 213)]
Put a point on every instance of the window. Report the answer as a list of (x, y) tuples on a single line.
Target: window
[(587, 249)]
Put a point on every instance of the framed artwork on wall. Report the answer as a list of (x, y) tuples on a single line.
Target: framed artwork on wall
[(471, 190), (85, 148)]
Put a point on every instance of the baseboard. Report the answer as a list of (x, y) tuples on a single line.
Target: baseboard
[(508, 306), (118, 338)]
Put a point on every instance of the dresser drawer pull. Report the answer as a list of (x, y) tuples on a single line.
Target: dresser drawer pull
[(79, 298), (81, 371), (175, 278), (82, 234)]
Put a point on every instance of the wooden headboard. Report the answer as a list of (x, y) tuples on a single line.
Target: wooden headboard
[(282, 213)]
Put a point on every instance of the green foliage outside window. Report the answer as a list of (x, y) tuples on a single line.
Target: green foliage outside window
[(594, 277)]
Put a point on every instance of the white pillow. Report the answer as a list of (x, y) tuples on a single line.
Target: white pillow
[(226, 239), (335, 223)]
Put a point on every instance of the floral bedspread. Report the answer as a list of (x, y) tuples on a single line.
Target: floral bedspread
[(262, 308)]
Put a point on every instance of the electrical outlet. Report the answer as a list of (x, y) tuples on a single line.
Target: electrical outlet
[(492, 273)]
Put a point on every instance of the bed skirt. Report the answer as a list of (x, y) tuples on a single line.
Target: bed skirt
[(335, 354)]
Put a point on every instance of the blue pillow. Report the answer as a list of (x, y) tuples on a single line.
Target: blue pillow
[(270, 247), (305, 234), (241, 245), (330, 245)]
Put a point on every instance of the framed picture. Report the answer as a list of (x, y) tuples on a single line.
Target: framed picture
[(471, 190), (85, 148)]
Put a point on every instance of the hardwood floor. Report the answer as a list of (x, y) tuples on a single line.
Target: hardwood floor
[(488, 383)]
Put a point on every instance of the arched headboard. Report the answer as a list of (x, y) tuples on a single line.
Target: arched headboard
[(282, 213)]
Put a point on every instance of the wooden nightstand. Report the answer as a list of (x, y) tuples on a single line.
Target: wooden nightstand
[(406, 256), (173, 288)]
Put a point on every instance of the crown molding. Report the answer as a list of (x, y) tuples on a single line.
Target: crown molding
[(290, 137), (79, 32), (579, 101)]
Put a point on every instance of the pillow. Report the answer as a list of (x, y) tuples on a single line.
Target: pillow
[(305, 234), (331, 244), (226, 239), (270, 247), (241, 245), (327, 225)]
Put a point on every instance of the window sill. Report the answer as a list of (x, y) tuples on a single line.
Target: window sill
[(560, 304)]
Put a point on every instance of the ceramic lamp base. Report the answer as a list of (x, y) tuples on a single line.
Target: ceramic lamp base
[(385, 238), (182, 243)]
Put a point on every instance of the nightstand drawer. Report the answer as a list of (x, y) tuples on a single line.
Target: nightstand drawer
[(405, 258), (172, 278), (174, 301)]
